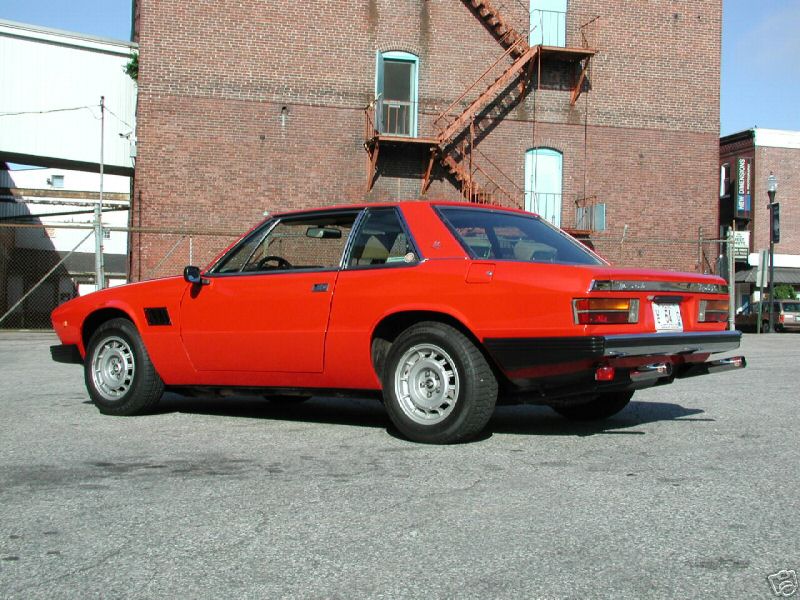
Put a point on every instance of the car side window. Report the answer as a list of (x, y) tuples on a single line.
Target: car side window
[(313, 242), (382, 240)]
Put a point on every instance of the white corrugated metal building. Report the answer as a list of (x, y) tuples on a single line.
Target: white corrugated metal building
[(51, 82)]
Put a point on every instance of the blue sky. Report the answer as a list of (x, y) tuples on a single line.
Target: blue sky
[(760, 51)]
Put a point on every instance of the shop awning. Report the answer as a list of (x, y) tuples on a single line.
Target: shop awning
[(782, 275)]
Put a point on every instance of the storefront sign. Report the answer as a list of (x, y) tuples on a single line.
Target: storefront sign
[(743, 193), (741, 245)]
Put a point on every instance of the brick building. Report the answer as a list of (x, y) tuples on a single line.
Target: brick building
[(601, 115), (746, 160)]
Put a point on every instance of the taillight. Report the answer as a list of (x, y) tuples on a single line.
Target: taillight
[(713, 311), (606, 311)]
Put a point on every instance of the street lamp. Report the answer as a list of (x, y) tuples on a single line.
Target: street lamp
[(772, 188)]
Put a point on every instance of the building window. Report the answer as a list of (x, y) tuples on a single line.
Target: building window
[(396, 93), (548, 23), (57, 181), (543, 176), (725, 180)]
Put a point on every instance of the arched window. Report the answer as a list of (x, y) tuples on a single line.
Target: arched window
[(543, 176), (396, 93), (548, 23)]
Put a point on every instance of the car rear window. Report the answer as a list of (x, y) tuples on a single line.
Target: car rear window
[(791, 307), (494, 234)]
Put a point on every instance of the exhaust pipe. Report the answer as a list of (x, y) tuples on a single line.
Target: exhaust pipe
[(713, 366)]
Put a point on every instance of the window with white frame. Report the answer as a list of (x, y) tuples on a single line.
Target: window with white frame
[(543, 177), (396, 93)]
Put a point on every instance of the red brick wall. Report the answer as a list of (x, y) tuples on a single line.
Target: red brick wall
[(784, 163), (214, 150)]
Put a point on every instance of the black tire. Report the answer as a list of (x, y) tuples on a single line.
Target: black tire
[(437, 386), (119, 375), (597, 408)]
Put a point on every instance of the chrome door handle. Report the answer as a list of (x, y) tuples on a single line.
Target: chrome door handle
[(319, 287)]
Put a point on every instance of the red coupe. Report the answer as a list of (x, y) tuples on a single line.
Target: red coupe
[(443, 308)]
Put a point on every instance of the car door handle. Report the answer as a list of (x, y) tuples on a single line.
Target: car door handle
[(319, 287)]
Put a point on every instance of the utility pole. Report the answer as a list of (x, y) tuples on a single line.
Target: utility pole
[(774, 236), (99, 266), (731, 277)]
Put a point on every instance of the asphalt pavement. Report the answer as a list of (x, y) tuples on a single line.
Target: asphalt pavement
[(690, 492)]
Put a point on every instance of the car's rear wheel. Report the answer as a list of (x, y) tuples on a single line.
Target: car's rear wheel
[(598, 407), (119, 375), (437, 386)]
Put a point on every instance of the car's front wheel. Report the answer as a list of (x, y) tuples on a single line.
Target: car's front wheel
[(437, 386), (119, 375), (598, 407)]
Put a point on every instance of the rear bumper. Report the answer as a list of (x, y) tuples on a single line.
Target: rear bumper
[(655, 344), (516, 353), (567, 366), (66, 353)]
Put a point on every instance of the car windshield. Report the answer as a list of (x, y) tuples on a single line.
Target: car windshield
[(313, 241), (495, 234)]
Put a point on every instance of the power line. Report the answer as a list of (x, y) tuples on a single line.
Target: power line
[(44, 112), (56, 110), (121, 120)]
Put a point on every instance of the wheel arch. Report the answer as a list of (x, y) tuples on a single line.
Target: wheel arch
[(96, 318), (388, 328)]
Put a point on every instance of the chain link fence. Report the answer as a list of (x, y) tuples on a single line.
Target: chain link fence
[(42, 266)]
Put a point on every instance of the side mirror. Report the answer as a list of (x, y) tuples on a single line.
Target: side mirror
[(191, 274)]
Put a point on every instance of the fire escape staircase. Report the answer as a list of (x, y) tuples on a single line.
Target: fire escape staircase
[(453, 144), (476, 184)]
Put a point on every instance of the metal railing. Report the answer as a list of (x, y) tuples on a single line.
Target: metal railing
[(564, 29), (456, 108), (546, 205), (396, 117), (390, 117), (548, 28)]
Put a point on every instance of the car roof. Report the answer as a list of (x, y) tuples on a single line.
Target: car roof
[(363, 205)]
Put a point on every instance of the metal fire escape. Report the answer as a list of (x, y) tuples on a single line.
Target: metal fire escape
[(453, 141)]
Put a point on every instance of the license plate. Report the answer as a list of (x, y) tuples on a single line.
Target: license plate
[(667, 317)]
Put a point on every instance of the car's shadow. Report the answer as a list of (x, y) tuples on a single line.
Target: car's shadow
[(364, 412), (541, 420), (517, 419)]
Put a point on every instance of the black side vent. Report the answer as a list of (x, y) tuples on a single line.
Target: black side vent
[(157, 316)]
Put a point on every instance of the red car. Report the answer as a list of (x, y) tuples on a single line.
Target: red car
[(441, 307)]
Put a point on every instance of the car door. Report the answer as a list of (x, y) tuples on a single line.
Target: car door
[(369, 286), (265, 306)]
